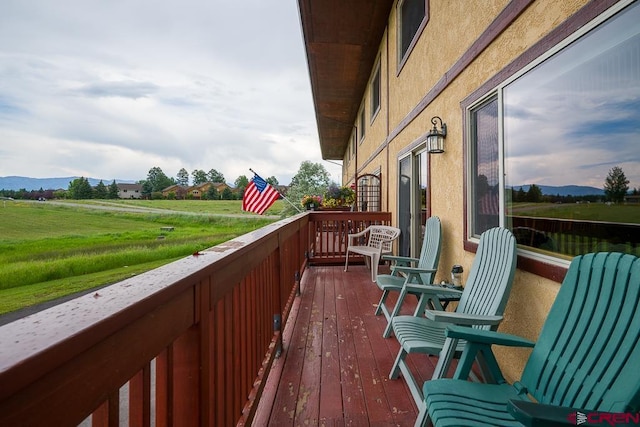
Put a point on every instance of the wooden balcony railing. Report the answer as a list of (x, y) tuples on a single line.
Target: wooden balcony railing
[(328, 232), (189, 343)]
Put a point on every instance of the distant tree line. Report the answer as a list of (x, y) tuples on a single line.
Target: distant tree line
[(157, 181), (152, 187), (616, 187)]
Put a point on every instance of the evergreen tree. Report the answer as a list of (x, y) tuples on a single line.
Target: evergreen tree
[(157, 180), (147, 189), (534, 195), (199, 177), (227, 194), (215, 176), (113, 190), (100, 192), (183, 177), (80, 189), (616, 185), (212, 193)]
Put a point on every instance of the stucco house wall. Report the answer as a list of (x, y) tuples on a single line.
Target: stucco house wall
[(432, 82)]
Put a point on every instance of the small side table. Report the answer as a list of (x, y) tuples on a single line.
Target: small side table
[(445, 299)]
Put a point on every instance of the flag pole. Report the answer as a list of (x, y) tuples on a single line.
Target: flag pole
[(281, 195)]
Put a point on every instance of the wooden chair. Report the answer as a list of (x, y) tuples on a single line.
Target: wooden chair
[(481, 305), (406, 270), (379, 241), (584, 362)]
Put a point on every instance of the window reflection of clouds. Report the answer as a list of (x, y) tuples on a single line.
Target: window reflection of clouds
[(575, 116), (487, 140)]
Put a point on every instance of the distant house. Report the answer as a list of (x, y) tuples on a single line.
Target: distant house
[(197, 191), (129, 191), (180, 191)]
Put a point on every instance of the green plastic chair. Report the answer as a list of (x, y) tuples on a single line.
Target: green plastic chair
[(583, 368), (481, 305), (406, 270)]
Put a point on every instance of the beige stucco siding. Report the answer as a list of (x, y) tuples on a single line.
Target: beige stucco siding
[(452, 29)]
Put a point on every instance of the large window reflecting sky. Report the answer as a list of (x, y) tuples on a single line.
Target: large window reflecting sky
[(577, 115)]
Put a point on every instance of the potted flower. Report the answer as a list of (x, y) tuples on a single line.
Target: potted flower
[(338, 197), (311, 202)]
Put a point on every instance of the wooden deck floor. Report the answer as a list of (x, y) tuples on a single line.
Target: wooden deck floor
[(335, 364)]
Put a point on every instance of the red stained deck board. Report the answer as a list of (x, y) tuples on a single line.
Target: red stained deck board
[(329, 377), (335, 364), (353, 403)]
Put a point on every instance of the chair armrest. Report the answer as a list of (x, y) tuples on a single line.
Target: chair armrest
[(478, 343), (462, 318), (411, 272), (432, 289), (536, 414), (407, 269), (482, 336), (361, 233), (405, 260)]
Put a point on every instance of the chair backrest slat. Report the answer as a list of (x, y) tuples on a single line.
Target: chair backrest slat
[(431, 246), (491, 276), (588, 350)]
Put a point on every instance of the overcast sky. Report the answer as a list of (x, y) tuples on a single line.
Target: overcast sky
[(111, 88)]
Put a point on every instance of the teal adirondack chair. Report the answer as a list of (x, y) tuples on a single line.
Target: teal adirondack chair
[(404, 270), (481, 305), (583, 365)]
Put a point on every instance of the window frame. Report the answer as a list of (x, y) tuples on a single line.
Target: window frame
[(376, 91), (550, 266), (362, 123), (403, 56)]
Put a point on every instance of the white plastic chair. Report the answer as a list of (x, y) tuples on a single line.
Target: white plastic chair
[(380, 241)]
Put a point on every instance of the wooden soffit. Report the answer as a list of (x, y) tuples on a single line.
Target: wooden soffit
[(341, 39)]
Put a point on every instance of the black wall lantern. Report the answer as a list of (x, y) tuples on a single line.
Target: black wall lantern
[(435, 139)]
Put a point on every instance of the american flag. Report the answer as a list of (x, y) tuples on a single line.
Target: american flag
[(259, 196)]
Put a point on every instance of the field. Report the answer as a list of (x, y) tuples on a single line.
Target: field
[(629, 214), (51, 249)]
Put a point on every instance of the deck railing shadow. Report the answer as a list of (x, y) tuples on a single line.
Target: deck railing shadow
[(193, 340)]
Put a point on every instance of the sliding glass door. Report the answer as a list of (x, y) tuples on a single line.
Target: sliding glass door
[(413, 201)]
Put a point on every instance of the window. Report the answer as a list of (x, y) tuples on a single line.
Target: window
[(412, 16), (561, 128), (413, 200), (353, 145), (485, 185), (362, 125), (369, 192), (375, 92)]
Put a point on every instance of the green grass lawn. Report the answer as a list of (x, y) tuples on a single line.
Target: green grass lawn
[(580, 211), (49, 250)]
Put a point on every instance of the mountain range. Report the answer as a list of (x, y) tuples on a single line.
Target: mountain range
[(564, 190), (23, 182)]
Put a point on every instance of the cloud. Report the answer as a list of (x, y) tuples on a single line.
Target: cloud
[(110, 89), (124, 89)]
